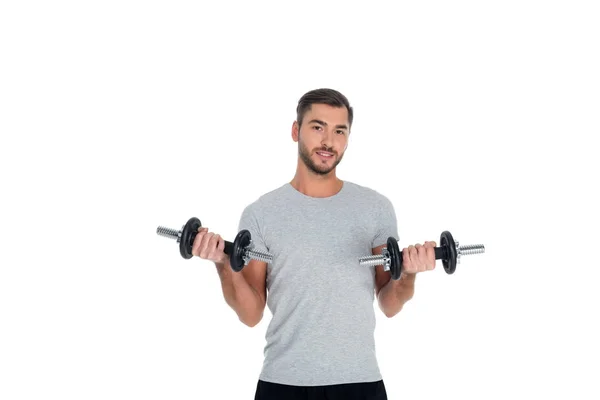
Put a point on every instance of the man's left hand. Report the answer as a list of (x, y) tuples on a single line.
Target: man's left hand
[(418, 258)]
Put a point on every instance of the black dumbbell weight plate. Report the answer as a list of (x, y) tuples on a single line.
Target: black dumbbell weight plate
[(190, 230), (242, 240), (446, 240), (395, 257)]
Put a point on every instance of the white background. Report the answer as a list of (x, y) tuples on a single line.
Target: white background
[(119, 116)]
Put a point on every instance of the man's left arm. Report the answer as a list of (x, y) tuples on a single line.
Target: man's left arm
[(393, 294)]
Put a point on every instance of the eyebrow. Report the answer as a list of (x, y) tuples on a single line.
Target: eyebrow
[(318, 121)]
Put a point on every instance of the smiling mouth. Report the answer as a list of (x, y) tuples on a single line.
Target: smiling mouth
[(325, 154)]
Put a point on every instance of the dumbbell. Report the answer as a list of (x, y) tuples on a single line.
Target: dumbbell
[(449, 252), (240, 251)]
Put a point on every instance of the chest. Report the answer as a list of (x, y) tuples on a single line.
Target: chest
[(309, 244)]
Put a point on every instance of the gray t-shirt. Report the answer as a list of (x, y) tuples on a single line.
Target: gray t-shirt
[(322, 301)]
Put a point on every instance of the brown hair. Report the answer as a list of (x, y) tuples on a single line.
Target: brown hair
[(322, 96)]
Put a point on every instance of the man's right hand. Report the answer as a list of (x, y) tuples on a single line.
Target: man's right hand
[(209, 246)]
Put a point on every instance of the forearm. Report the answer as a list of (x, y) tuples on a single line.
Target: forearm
[(239, 295), (395, 294)]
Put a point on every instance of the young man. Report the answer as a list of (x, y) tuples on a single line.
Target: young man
[(320, 341)]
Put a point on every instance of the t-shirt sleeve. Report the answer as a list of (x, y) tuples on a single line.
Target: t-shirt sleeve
[(387, 224), (249, 220)]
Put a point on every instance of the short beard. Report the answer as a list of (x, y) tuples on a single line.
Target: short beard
[(308, 161)]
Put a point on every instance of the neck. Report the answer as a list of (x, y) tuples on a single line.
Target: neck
[(315, 185)]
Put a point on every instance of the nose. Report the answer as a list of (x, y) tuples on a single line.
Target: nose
[(327, 140)]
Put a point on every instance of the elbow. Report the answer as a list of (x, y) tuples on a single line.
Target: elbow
[(251, 324), (251, 321), (392, 313), (390, 310), (392, 299)]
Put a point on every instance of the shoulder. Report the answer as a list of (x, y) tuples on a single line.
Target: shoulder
[(376, 197), (265, 200)]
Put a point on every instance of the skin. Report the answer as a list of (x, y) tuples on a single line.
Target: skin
[(323, 128)]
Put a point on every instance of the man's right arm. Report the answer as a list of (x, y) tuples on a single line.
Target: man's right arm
[(245, 291)]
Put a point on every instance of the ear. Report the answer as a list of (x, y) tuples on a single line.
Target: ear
[(295, 131)]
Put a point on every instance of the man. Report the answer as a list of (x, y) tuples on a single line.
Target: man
[(320, 341)]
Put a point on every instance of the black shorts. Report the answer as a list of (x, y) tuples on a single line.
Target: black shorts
[(346, 391)]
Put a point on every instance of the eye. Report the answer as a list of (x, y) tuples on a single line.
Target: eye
[(340, 131), (316, 127)]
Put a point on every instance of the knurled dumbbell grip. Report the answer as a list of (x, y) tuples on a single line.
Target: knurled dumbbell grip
[(441, 253), (228, 248)]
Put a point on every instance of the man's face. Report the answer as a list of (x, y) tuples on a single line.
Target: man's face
[(323, 137)]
